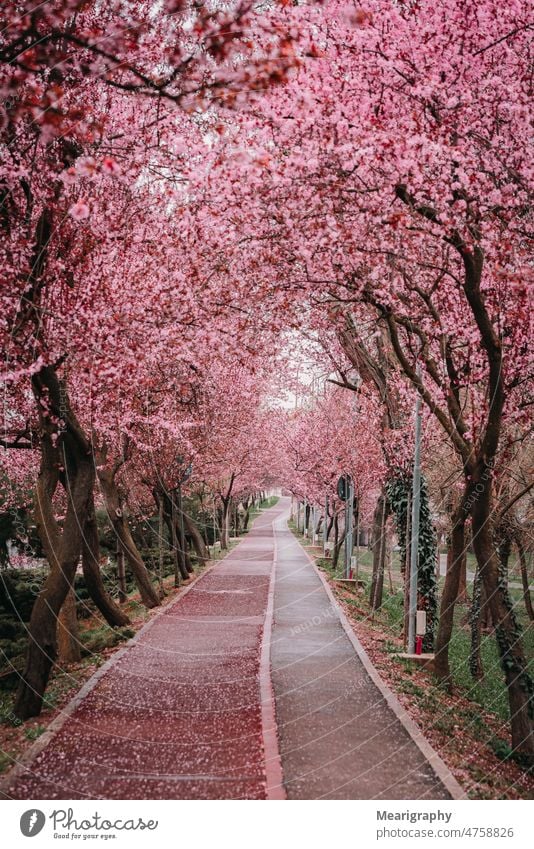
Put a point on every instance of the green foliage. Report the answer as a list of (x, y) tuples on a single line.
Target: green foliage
[(96, 639), (5, 761), (269, 502), (491, 692), (410, 688), (34, 733), (501, 748), (393, 606), (398, 489), (18, 590)]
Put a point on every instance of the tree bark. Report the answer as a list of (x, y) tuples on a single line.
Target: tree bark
[(524, 575), (475, 658), (180, 569), (379, 551), (338, 542), (196, 538), (520, 695), (65, 455), (246, 518), (462, 584), (111, 611), (450, 594), (147, 591), (329, 526), (225, 531), (68, 632), (121, 575), (160, 547)]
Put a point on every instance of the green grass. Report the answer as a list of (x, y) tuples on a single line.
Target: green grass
[(102, 637), (490, 694), (6, 759), (269, 502), (34, 733)]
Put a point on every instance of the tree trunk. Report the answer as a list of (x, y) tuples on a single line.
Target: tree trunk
[(520, 689), (196, 538), (524, 575), (178, 565), (147, 591), (475, 659), (329, 527), (181, 533), (68, 633), (338, 543), (180, 569), (67, 450), (121, 575), (450, 594), (379, 551), (225, 531), (160, 547), (111, 612), (248, 506), (462, 585)]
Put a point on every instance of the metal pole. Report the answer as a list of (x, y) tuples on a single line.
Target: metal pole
[(348, 525), (416, 499)]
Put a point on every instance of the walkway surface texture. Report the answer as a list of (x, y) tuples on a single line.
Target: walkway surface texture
[(186, 709)]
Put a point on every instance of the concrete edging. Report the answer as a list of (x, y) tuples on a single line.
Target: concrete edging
[(438, 766)]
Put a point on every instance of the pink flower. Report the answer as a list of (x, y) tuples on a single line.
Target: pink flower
[(86, 166), (109, 166), (80, 210)]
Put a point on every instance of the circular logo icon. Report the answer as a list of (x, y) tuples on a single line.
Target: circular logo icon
[(31, 822)]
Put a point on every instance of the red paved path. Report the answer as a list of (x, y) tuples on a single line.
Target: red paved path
[(179, 714), (187, 710)]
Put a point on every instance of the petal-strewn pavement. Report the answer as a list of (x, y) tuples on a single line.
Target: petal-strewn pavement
[(185, 711)]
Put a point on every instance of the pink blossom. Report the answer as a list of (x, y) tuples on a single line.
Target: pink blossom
[(80, 210)]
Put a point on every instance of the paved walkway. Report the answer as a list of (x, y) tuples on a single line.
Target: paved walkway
[(186, 709), (179, 713), (338, 737)]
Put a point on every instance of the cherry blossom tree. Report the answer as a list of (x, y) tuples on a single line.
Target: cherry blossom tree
[(391, 180)]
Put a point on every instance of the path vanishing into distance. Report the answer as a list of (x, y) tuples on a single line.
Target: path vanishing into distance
[(249, 685)]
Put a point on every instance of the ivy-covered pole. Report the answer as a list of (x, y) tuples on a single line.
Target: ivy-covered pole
[(398, 488), (414, 550)]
